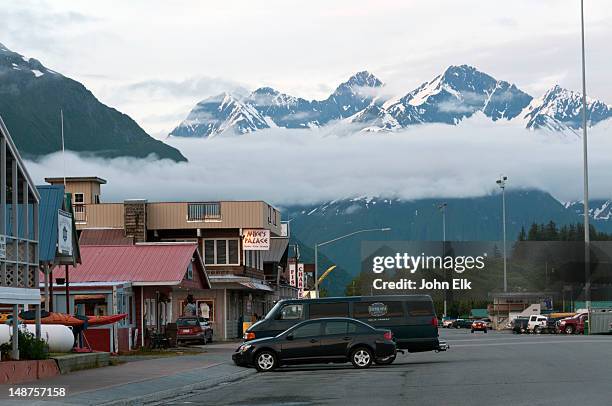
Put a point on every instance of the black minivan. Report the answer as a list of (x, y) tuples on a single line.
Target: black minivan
[(411, 318)]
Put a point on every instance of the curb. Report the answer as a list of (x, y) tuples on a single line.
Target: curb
[(182, 390)]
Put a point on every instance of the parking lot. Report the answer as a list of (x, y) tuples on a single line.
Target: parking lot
[(494, 368)]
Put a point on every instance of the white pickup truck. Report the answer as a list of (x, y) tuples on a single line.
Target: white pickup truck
[(537, 324)]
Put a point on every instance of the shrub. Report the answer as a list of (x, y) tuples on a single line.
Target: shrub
[(30, 347)]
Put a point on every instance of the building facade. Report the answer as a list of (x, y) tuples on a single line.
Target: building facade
[(149, 282), (241, 288), (18, 235)]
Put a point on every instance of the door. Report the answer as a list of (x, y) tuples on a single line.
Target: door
[(335, 339), (302, 343)]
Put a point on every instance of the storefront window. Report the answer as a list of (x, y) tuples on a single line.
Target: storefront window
[(221, 252)]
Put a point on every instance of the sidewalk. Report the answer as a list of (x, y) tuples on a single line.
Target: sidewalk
[(135, 381)]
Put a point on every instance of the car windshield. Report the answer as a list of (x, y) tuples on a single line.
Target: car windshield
[(273, 310)]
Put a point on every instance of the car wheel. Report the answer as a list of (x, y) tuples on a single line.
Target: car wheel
[(385, 361), (265, 361), (361, 357), (536, 330), (485, 330), (472, 331), (569, 330)]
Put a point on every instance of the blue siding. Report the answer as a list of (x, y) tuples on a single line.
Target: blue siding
[(51, 200)]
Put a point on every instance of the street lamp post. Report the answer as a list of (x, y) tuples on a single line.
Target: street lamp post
[(442, 208), (317, 245), (587, 238), (501, 182)]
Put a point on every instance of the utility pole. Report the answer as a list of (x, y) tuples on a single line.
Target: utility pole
[(501, 182), (442, 208), (587, 238)]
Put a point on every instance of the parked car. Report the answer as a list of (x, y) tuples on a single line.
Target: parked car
[(537, 323), (194, 329), (336, 339), (411, 318), (573, 325), (519, 325), (462, 323), (479, 325), (448, 323)]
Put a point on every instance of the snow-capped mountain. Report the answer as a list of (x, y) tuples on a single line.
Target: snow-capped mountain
[(266, 107), (457, 94), (598, 209), (218, 114), (560, 109), (449, 98)]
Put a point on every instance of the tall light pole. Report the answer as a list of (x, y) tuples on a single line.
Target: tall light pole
[(587, 252), (317, 245), (442, 208), (501, 182)]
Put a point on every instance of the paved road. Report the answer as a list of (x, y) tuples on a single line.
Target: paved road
[(494, 368)]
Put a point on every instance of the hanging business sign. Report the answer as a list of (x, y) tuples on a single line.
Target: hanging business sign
[(64, 233), (300, 279), (256, 240), (292, 274), (2, 246)]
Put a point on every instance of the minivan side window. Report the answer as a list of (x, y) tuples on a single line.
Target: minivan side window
[(307, 330), (291, 312), (364, 310), (318, 310), (420, 308)]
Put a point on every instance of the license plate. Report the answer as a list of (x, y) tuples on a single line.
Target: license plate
[(186, 331)]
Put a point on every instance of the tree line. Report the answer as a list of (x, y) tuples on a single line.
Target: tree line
[(552, 232)]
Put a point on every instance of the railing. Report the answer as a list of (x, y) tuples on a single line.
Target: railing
[(203, 211), (80, 213)]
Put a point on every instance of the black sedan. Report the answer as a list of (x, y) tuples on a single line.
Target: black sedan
[(315, 341)]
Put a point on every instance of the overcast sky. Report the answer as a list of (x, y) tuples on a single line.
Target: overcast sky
[(155, 59)]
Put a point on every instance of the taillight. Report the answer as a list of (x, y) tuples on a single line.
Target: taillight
[(249, 336), (197, 329), (434, 321), (388, 335)]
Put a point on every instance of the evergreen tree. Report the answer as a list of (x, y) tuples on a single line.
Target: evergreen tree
[(522, 235)]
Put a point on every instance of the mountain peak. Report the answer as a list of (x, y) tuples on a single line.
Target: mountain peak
[(364, 78), (360, 79), (456, 69), (266, 91)]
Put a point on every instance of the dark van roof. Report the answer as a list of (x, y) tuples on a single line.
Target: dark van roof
[(399, 298)]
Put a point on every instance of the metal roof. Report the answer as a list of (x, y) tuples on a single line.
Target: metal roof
[(278, 248), (51, 200), (76, 179), (163, 264), (104, 236)]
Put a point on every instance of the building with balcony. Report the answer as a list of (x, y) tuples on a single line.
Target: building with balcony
[(246, 290), (19, 201)]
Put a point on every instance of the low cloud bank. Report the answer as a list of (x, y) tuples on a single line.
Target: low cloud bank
[(307, 166)]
